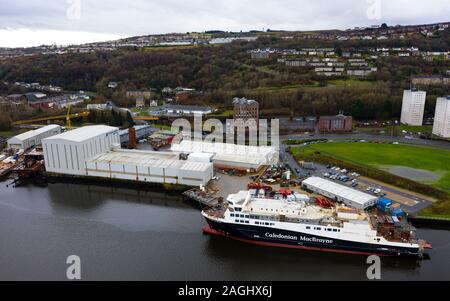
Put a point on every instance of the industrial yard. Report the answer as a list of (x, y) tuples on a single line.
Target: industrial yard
[(214, 170)]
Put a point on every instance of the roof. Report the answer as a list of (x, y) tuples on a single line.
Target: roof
[(256, 155), (188, 108), (201, 155), (340, 190), (149, 159), (340, 116), (195, 166), (136, 127), (84, 133), (243, 101), (31, 134)]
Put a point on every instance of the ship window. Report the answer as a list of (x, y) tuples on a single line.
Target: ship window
[(256, 223), (232, 214), (319, 229), (308, 228), (237, 221), (247, 222), (335, 230)]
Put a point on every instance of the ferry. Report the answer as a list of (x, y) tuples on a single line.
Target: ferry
[(299, 223)]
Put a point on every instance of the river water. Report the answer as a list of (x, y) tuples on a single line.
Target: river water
[(124, 234)]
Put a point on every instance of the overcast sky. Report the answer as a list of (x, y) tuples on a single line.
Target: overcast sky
[(36, 22)]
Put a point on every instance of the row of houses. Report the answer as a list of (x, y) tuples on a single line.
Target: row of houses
[(373, 52), (42, 100), (334, 66), (34, 86)]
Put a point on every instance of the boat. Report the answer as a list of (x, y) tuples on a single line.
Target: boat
[(298, 224)]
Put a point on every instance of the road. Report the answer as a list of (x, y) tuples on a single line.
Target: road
[(366, 136), (289, 160)]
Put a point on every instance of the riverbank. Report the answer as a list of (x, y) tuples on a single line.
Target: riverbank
[(171, 188)]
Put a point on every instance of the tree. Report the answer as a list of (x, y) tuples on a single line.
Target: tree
[(5, 122)]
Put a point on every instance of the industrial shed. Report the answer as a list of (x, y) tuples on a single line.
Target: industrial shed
[(150, 167), (68, 152), (34, 138), (349, 196), (242, 157), (142, 131)]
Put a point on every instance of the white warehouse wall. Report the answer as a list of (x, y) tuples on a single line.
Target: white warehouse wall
[(34, 138), (69, 157)]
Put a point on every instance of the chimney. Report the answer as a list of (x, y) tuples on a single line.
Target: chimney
[(132, 143)]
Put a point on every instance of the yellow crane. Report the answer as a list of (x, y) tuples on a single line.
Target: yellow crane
[(68, 122), (50, 118)]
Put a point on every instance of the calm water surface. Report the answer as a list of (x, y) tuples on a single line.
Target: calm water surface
[(123, 234)]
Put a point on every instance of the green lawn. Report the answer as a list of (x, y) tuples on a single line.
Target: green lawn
[(351, 82), (378, 155)]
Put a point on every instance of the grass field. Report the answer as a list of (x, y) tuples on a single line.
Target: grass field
[(382, 155)]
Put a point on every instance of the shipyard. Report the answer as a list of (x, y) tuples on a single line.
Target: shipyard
[(95, 152)]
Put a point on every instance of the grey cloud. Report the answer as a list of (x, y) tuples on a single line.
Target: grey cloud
[(135, 17)]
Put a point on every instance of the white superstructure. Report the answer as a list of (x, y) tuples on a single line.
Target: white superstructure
[(442, 117), (413, 107), (337, 192), (34, 138), (298, 221), (68, 152)]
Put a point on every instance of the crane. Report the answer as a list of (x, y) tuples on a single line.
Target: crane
[(51, 118), (68, 122)]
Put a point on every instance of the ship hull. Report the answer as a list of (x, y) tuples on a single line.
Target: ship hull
[(264, 236)]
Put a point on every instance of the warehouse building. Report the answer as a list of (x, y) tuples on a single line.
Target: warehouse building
[(334, 124), (142, 132), (340, 193), (34, 138), (150, 167), (68, 152), (231, 156), (94, 151)]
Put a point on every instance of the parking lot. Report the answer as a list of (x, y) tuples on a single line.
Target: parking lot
[(411, 202)]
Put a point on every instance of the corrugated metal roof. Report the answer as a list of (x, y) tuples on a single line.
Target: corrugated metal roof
[(340, 190), (149, 159), (195, 166), (84, 133), (31, 134), (140, 158)]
